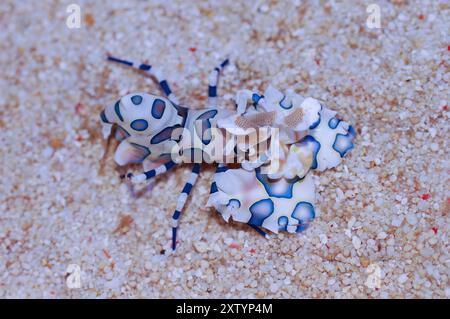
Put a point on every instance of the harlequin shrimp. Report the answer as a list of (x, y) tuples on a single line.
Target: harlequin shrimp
[(269, 188)]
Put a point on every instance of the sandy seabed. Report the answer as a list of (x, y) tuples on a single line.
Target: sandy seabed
[(383, 212)]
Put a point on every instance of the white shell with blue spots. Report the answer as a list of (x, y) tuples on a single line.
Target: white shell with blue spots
[(330, 140), (290, 208), (146, 122), (144, 114)]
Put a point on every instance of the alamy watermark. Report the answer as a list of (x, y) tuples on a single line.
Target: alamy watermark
[(73, 20), (73, 276), (374, 19), (373, 280)]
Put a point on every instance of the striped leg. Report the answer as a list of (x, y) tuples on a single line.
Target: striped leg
[(213, 79), (182, 201), (152, 173), (153, 71)]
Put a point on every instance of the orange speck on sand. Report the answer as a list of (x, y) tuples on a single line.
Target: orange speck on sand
[(106, 253), (55, 143), (234, 245), (124, 224), (421, 17), (192, 49), (199, 96), (317, 60)]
